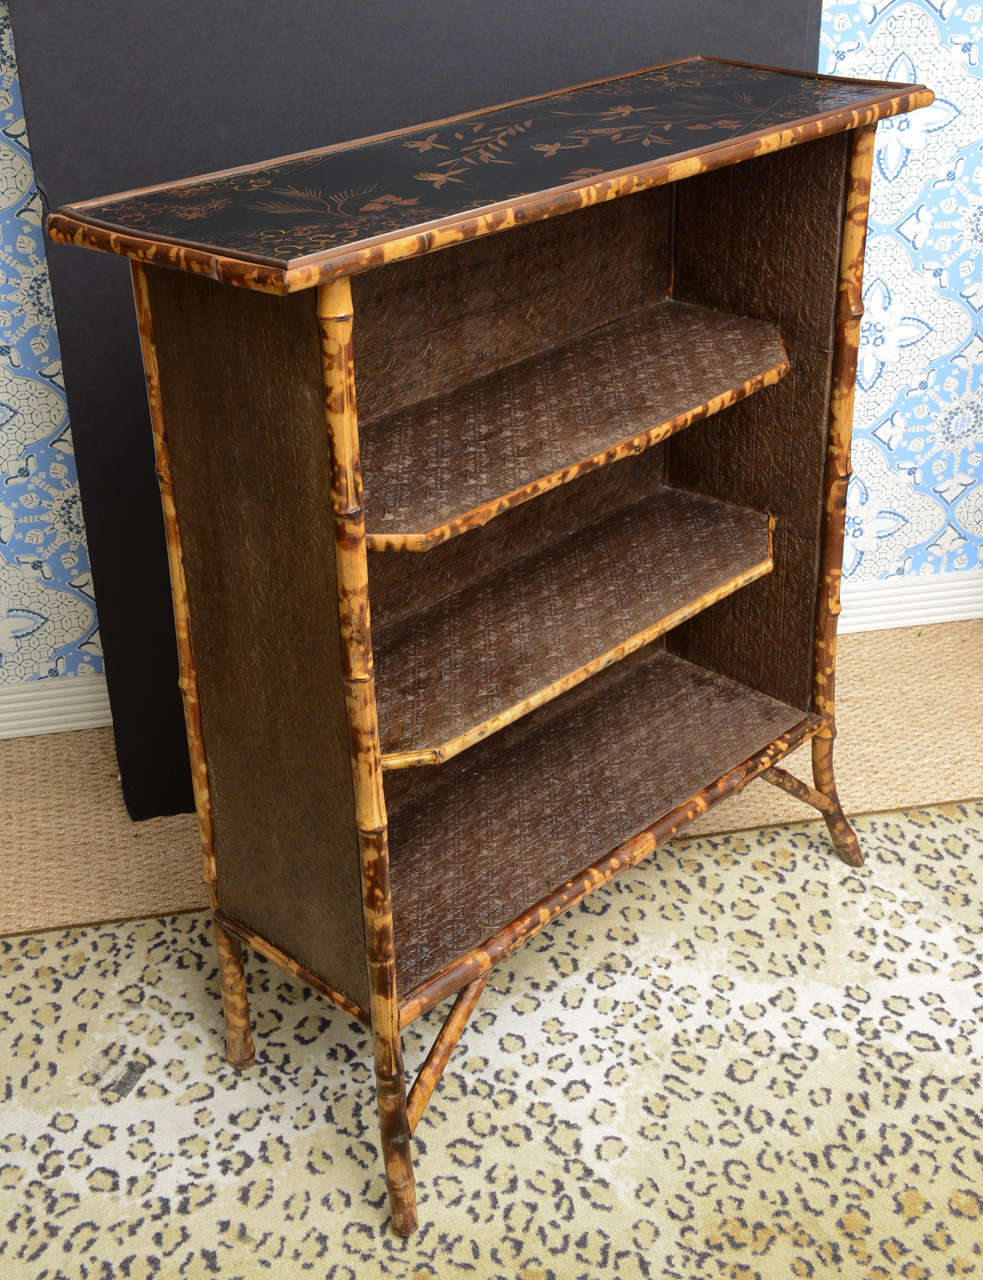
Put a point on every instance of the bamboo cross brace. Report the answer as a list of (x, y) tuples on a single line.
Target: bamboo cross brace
[(786, 781), (442, 1048)]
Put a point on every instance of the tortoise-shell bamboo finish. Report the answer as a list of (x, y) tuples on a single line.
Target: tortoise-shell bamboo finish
[(478, 713)]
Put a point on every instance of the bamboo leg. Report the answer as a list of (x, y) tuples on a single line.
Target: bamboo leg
[(824, 799), (335, 318), (442, 1048), (842, 834), (238, 1034), (849, 314)]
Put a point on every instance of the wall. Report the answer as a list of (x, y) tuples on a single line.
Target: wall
[(47, 613), (916, 501), (916, 504)]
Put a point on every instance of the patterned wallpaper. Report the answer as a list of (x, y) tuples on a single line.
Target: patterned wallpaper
[(916, 503), (47, 613), (916, 500)]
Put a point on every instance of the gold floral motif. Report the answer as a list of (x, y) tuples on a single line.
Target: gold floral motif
[(291, 208)]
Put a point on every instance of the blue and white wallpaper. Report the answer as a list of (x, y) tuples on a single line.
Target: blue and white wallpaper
[(916, 500), (47, 613)]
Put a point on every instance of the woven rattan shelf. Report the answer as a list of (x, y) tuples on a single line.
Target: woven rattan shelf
[(475, 661), (529, 304), (502, 439), (468, 853)]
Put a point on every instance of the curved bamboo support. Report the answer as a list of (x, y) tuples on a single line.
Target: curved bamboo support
[(238, 1037), (850, 312), (334, 308), (442, 1048)]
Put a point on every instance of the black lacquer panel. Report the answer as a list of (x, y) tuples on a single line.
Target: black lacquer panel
[(282, 211)]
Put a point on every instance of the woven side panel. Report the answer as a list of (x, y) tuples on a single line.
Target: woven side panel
[(426, 325), (402, 583), (763, 238), (495, 830), (243, 407)]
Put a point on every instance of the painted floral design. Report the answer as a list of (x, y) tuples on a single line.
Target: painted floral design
[(292, 208), (886, 332), (918, 426), (47, 612)]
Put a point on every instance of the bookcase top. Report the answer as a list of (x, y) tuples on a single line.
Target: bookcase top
[(296, 221)]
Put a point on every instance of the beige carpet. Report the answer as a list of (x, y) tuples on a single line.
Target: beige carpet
[(910, 712), (739, 1061)]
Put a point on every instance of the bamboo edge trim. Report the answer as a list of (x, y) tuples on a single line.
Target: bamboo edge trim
[(487, 511), (442, 1048), (317, 269), (500, 945), (447, 751), (280, 958), (188, 682), (335, 318)]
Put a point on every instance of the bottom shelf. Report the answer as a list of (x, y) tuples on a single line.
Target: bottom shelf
[(483, 838)]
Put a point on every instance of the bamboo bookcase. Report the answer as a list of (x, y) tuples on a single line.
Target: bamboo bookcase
[(569, 576)]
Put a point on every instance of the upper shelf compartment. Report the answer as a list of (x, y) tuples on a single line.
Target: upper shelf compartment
[(505, 437)]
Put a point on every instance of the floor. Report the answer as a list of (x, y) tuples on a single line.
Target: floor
[(742, 1059), (68, 852)]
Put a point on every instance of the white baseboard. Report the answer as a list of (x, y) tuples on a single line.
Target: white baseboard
[(911, 602), (53, 705)]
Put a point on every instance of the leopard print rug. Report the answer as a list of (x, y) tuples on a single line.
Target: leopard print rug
[(741, 1059)]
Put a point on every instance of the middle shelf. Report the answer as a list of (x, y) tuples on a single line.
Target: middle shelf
[(496, 441), (459, 670)]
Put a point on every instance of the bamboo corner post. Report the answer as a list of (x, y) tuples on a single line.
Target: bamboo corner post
[(849, 315), (606, 451), (334, 311)]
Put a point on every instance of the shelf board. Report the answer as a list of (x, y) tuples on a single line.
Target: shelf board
[(498, 830), (451, 463), (454, 673)]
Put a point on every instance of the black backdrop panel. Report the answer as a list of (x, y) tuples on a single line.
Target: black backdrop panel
[(120, 94)]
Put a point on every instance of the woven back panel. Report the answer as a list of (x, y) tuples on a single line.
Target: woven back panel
[(402, 583), (243, 406), (763, 238), (428, 324)]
